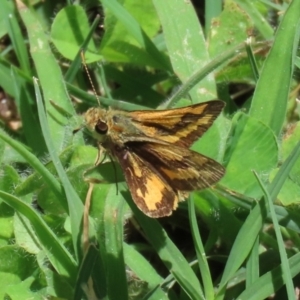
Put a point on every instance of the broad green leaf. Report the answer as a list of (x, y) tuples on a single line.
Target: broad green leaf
[(25, 236), (22, 290), (14, 260), (252, 146), (117, 38), (127, 21), (68, 41), (229, 29), (57, 254), (6, 280)]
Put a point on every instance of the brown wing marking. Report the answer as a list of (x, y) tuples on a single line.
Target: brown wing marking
[(182, 169), (180, 126), (149, 190)]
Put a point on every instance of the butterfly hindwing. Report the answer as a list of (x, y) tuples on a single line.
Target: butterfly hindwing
[(150, 191)]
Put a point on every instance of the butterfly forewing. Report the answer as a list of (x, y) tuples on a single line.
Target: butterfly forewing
[(180, 126)]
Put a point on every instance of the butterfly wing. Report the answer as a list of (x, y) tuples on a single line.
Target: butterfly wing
[(150, 191), (180, 126)]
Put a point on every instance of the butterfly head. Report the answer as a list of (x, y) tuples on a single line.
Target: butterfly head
[(96, 123)]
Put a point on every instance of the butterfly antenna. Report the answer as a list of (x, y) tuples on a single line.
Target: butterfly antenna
[(89, 76)]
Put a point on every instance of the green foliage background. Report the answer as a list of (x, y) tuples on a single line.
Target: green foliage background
[(150, 54)]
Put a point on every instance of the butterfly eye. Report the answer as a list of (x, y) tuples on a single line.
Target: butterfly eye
[(101, 127)]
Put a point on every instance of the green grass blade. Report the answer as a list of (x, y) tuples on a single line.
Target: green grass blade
[(281, 245), (243, 244), (74, 203), (23, 95), (86, 268), (252, 268), (252, 60), (269, 102), (201, 73), (113, 232), (254, 222), (144, 271), (49, 75), (16, 37), (202, 261), (186, 45), (271, 281), (91, 100), (283, 172), (5, 76)]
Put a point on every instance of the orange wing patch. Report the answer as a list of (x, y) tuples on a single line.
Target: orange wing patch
[(149, 190)]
